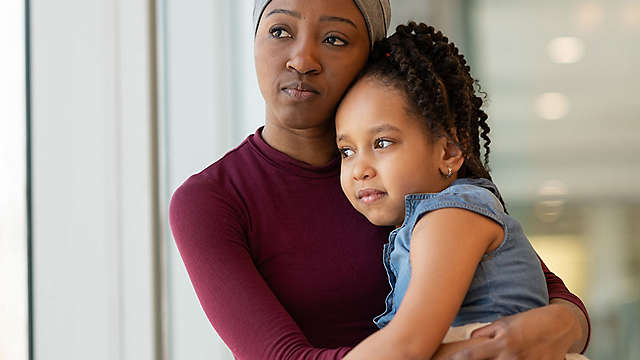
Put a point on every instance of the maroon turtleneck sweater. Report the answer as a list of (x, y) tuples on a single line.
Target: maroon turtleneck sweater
[(283, 266)]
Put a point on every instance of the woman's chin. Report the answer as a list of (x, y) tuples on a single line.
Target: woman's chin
[(296, 118)]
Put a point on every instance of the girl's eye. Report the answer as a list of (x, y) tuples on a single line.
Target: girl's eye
[(335, 41), (381, 143), (279, 33), (346, 152)]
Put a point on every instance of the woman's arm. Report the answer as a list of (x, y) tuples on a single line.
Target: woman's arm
[(559, 294), (211, 236), (444, 256), (541, 333), (547, 332), (579, 322)]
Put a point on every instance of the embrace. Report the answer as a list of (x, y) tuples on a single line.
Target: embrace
[(361, 220)]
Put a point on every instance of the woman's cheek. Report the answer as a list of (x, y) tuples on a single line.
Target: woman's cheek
[(267, 68)]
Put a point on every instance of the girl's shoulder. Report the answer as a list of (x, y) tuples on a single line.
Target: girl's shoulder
[(477, 195), (477, 192)]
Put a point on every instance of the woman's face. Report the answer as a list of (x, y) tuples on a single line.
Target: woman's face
[(307, 53)]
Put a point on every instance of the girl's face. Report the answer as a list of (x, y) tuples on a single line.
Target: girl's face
[(307, 53), (386, 152)]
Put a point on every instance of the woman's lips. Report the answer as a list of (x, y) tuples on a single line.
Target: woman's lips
[(369, 196), (300, 90), (299, 93)]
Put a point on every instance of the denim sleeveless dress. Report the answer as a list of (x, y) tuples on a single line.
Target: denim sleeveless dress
[(507, 281)]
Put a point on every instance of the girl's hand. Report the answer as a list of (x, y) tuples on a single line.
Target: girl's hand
[(545, 333)]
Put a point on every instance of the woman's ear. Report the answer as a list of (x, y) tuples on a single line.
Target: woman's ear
[(452, 157)]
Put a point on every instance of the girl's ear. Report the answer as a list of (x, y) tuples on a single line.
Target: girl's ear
[(451, 159)]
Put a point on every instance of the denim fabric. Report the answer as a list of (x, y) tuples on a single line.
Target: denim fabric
[(508, 280)]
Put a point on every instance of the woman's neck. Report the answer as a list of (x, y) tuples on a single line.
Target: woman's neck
[(314, 146)]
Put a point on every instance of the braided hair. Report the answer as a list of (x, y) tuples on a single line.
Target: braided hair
[(437, 81)]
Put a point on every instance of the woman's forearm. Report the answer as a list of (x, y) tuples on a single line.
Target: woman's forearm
[(580, 328), (560, 294), (445, 351)]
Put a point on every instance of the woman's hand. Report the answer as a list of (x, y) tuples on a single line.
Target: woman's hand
[(545, 333)]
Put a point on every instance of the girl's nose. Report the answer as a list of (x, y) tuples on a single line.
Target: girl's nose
[(363, 171), (303, 60)]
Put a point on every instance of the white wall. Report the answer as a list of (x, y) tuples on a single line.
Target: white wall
[(13, 194), (92, 188)]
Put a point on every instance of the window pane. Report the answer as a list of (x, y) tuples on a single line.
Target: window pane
[(564, 116)]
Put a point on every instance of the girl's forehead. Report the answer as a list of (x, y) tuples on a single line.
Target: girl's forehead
[(370, 100)]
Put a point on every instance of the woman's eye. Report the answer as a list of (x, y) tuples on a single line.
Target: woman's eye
[(381, 143), (346, 152), (279, 33), (335, 41)]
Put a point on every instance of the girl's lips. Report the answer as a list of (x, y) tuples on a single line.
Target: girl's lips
[(369, 196)]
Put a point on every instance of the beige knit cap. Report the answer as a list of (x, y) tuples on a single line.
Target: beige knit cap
[(376, 13)]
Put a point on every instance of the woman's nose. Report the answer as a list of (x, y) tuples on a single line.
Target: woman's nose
[(303, 59)]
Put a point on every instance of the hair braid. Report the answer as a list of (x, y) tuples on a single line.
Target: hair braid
[(422, 62)]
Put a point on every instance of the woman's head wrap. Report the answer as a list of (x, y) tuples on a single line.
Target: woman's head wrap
[(376, 13)]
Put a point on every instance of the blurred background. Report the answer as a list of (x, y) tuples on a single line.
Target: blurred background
[(106, 106)]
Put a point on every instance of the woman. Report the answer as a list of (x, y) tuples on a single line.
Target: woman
[(283, 266)]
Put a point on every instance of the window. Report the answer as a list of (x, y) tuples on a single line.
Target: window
[(14, 328)]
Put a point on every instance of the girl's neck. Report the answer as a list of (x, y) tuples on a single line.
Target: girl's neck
[(314, 146)]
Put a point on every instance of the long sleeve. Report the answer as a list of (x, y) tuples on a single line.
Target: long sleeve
[(557, 290), (211, 236)]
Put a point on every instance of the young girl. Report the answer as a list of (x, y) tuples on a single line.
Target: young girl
[(409, 132)]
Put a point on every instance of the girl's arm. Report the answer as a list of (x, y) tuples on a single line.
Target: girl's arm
[(211, 237), (446, 247)]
